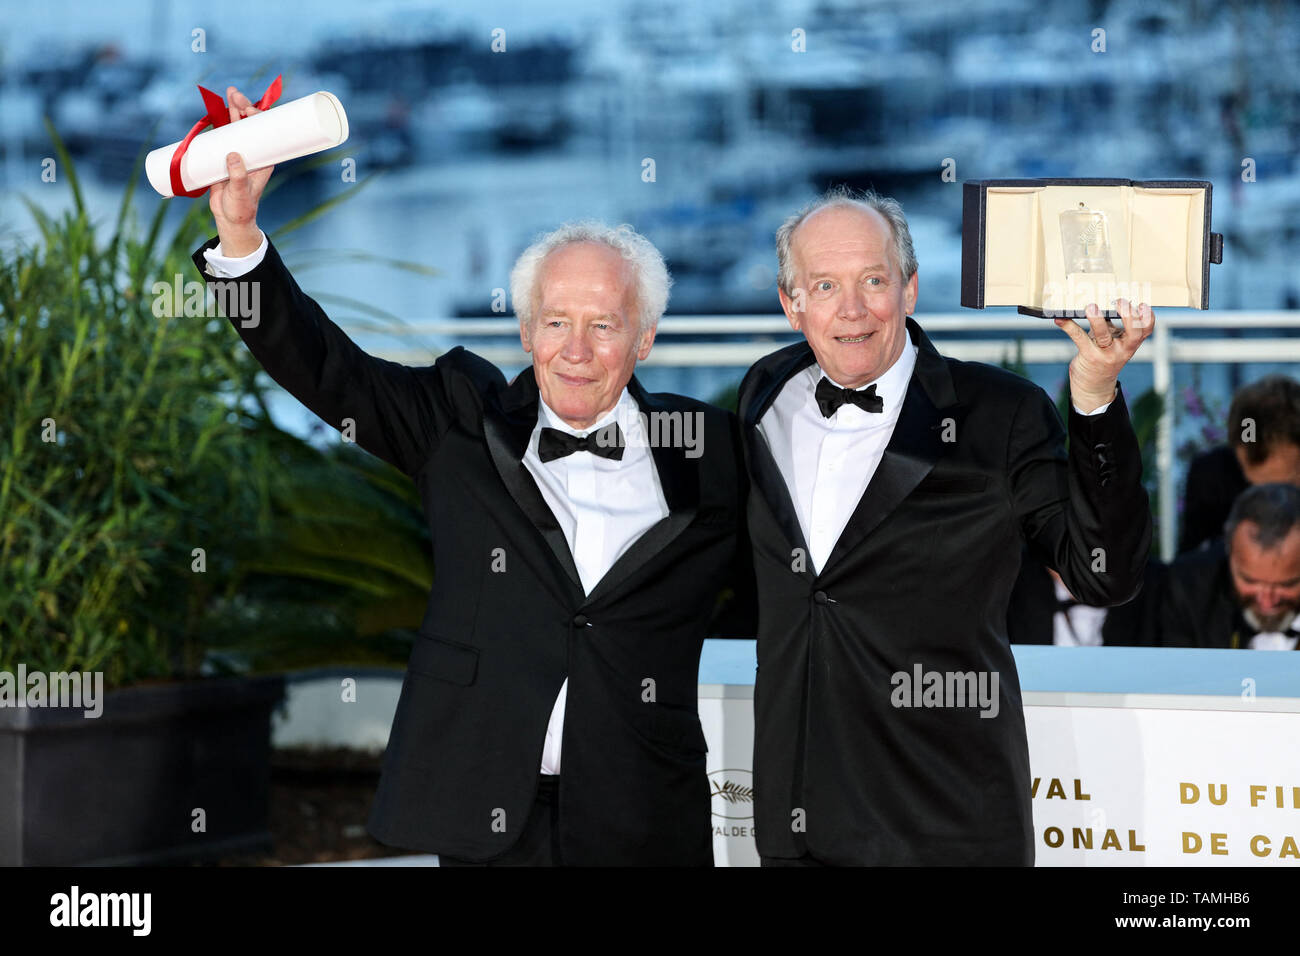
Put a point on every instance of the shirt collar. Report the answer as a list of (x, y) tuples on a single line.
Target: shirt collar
[(1288, 625), (621, 411)]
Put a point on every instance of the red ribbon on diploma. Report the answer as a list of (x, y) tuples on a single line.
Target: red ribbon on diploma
[(218, 115)]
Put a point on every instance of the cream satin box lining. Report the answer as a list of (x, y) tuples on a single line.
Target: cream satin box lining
[(1156, 238)]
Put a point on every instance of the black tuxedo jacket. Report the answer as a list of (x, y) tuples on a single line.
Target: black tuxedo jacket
[(921, 577), (1214, 480), (1032, 614), (462, 764), (1198, 607)]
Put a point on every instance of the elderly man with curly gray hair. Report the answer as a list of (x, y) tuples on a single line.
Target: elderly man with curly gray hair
[(548, 715)]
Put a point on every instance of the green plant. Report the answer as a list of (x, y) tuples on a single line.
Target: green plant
[(1016, 363), (727, 397), (342, 578), (154, 522)]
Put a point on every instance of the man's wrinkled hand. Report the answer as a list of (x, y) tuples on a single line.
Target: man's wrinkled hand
[(234, 201), (1104, 351)]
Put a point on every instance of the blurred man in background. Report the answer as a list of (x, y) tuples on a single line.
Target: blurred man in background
[(1263, 446), (1043, 611), (1242, 591)]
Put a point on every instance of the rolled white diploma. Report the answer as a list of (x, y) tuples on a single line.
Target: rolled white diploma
[(304, 126)]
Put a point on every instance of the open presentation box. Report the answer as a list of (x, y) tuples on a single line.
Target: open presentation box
[(1053, 246)]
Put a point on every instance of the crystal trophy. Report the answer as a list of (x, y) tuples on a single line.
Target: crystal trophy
[(1085, 240)]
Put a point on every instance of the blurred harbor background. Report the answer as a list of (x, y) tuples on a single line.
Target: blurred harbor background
[(474, 152), (474, 127)]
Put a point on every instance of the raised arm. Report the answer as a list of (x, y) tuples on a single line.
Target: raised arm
[(393, 411), (1086, 515)]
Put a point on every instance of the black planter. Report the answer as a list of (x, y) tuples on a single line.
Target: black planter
[(122, 788)]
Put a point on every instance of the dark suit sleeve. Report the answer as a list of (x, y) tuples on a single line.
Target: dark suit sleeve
[(1196, 605), (1032, 609), (1177, 623), (397, 411), (1197, 504), (737, 613), (1086, 513), (1214, 479), (1137, 622)]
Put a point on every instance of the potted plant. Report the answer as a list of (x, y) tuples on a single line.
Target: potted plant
[(164, 541)]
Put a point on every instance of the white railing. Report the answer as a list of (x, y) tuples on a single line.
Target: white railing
[(1165, 350)]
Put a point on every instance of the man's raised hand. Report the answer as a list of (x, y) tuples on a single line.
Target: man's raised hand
[(234, 201), (1095, 370)]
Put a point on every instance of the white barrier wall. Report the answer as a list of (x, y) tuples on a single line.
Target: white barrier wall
[(1119, 780), (1164, 780), (1154, 779), (727, 715)]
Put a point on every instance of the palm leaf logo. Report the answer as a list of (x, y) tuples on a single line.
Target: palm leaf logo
[(733, 792)]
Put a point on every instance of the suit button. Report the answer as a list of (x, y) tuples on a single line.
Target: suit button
[(820, 597), (580, 620)]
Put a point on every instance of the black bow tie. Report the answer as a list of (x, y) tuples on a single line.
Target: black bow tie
[(606, 442), (830, 397)]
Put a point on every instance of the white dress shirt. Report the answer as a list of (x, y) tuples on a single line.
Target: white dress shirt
[(1080, 626), (225, 267), (827, 463), (1283, 639), (601, 505), (1273, 642)]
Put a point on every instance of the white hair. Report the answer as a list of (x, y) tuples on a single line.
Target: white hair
[(890, 209), (650, 281)]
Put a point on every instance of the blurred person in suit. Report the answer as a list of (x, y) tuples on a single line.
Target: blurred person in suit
[(583, 532), (1242, 590), (1043, 611), (1263, 446)]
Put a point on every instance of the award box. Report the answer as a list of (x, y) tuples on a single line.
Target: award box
[(1052, 246)]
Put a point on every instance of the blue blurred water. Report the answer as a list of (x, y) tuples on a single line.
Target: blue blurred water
[(474, 152)]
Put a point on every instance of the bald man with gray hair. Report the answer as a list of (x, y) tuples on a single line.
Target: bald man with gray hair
[(548, 715), (893, 490)]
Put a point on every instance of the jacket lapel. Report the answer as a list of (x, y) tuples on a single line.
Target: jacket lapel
[(764, 471), (507, 431), (679, 477), (914, 447)]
